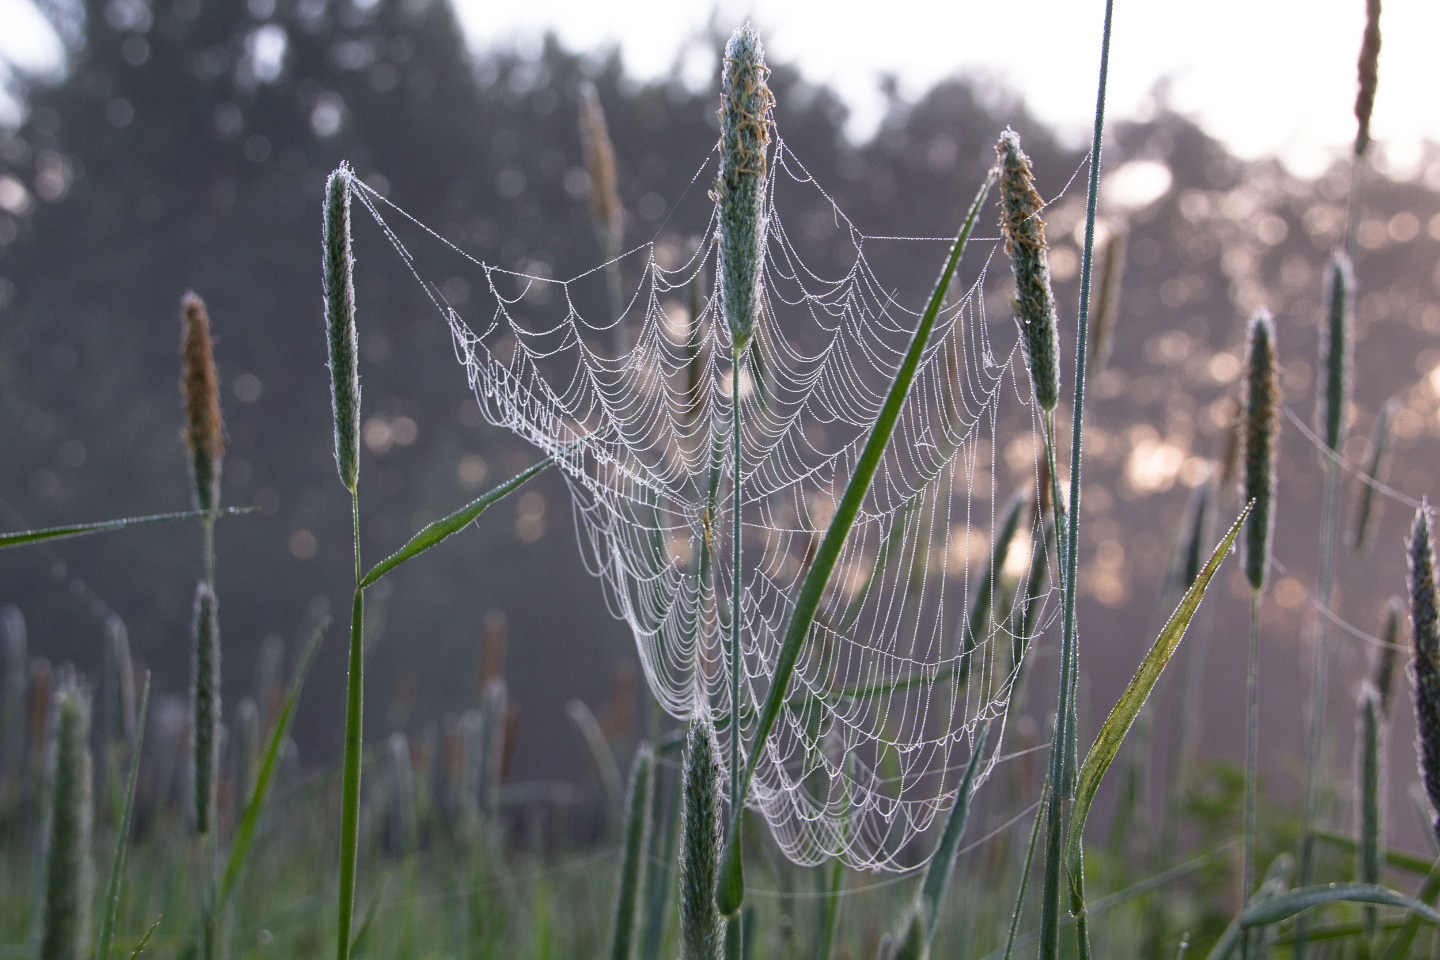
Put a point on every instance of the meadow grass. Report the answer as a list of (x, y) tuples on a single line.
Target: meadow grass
[(448, 873)]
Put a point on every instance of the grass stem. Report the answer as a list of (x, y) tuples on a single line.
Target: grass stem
[(350, 789), (1252, 744)]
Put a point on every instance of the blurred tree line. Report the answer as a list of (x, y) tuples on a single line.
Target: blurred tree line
[(186, 147)]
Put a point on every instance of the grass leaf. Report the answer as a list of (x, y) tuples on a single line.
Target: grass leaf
[(807, 602), (269, 766), (363, 932), (942, 864), (122, 834), (444, 527), (1117, 725), (140, 947), (1284, 906), (21, 538)]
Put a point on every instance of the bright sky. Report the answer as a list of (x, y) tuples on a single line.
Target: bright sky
[(1266, 76)]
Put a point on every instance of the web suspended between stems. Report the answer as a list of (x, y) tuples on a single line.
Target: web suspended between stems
[(893, 683)]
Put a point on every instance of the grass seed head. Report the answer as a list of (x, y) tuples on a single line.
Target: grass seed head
[(1369, 76), (745, 119), (1338, 297), (701, 929), (599, 153), (1425, 666), (1034, 302), (205, 705), (69, 872), (1107, 301), (1368, 504), (1262, 431), (1382, 674), (636, 851), (1194, 536), (339, 267), (200, 386)]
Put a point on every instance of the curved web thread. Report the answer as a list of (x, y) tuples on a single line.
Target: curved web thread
[(893, 684)]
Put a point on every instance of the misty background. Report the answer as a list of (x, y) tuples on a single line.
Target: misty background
[(185, 146)]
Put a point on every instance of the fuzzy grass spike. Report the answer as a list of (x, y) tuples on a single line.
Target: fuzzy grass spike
[(1025, 242), (745, 107), (69, 872), (339, 280)]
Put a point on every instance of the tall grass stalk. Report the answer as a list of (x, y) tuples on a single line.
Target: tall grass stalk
[(745, 106), (1063, 749), (1332, 401), (1261, 432), (339, 287)]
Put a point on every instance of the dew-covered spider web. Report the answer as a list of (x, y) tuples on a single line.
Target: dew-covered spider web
[(894, 681)]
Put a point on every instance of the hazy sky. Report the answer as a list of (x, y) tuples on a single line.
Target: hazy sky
[(1266, 76)]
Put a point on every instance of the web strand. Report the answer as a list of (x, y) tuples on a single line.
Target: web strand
[(895, 679)]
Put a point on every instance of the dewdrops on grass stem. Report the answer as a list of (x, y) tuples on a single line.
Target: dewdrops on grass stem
[(340, 325), (1368, 70), (69, 873), (204, 430), (205, 704), (1261, 435), (1034, 301), (745, 105), (700, 925), (1339, 295), (1425, 667)]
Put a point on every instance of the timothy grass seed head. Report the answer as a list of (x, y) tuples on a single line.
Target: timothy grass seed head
[(69, 871), (1338, 297), (1368, 504), (745, 120), (599, 154), (339, 267), (205, 704), (1107, 300), (1369, 76), (1261, 434), (1425, 666), (1034, 301), (200, 387), (1382, 673), (701, 929)]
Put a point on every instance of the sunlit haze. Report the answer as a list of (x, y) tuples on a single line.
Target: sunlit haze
[(1265, 76)]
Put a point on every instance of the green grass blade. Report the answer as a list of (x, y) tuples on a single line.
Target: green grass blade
[(21, 538), (122, 834), (807, 602), (1400, 943), (370, 911), (1287, 905), (1117, 725), (444, 527), (665, 833), (942, 864), (634, 854), (1398, 859), (269, 767), (1025, 872), (145, 940)]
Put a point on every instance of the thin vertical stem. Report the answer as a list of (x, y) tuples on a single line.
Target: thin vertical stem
[(1314, 753), (1062, 752), (350, 790), (736, 603), (1025, 871), (1252, 745)]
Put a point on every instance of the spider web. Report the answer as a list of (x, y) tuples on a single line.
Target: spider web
[(892, 685)]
